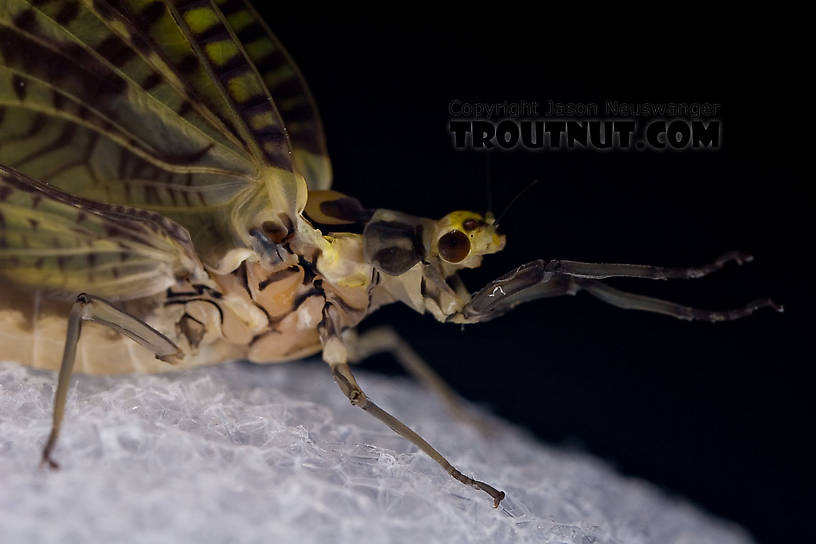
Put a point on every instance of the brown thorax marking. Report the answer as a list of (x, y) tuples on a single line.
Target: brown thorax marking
[(274, 306)]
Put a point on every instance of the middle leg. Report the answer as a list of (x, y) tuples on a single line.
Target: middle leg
[(387, 340), (336, 355)]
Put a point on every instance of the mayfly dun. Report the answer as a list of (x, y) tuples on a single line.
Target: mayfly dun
[(164, 176)]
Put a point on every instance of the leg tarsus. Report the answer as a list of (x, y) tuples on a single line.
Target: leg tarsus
[(541, 279), (47, 460), (345, 380), (633, 301), (600, 271)]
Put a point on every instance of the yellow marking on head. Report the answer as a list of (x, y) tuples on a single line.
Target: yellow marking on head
[(479, 230)]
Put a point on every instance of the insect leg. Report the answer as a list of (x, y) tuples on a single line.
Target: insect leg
[(599, 271), (336, 355), (91, 308), (345, 380), (633, 301), (539, 279), (387, 340)]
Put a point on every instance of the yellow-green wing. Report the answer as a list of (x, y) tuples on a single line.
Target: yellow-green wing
[(145, 103), (64, 245), (287, 87)]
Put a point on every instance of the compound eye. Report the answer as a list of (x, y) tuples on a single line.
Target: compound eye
[(470, 224), (454, 246)]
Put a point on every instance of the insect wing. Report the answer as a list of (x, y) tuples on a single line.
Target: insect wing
[(64, 245), (287, 87), (148, 104)]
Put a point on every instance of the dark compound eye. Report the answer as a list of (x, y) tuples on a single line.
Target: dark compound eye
[(470, 224), (454, 246)]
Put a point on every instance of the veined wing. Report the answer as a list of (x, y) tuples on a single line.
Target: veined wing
[(54, 245), (63, 244), (287, 87), (145, 103)]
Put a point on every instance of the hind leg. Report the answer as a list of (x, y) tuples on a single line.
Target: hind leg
[(91, 308)]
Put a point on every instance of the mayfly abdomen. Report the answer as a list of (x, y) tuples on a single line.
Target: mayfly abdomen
[(33, 328)]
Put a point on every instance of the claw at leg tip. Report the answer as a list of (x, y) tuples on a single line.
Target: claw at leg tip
[(742, 258), (497, 500), (50, 463)]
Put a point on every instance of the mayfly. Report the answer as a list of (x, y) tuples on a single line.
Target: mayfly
[(164, 176)]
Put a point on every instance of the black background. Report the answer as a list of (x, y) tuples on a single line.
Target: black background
[(719, 414)]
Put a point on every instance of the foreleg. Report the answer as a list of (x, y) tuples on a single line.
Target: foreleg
[(540, 279)]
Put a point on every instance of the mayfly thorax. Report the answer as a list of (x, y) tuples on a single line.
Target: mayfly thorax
[(164, 174)]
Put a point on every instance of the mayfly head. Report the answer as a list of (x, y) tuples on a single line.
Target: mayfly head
[(394, 241), (462, 237)]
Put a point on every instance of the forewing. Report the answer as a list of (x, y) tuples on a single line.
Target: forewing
[(64, 63), (145, 103), (64, 245), (287, 87)]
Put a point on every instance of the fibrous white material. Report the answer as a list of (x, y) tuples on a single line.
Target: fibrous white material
[(238, 453)]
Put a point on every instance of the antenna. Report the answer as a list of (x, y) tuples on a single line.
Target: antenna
[(488, 185), (515, 198)]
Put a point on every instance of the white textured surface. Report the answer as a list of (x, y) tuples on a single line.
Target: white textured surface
[(237, 453)]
